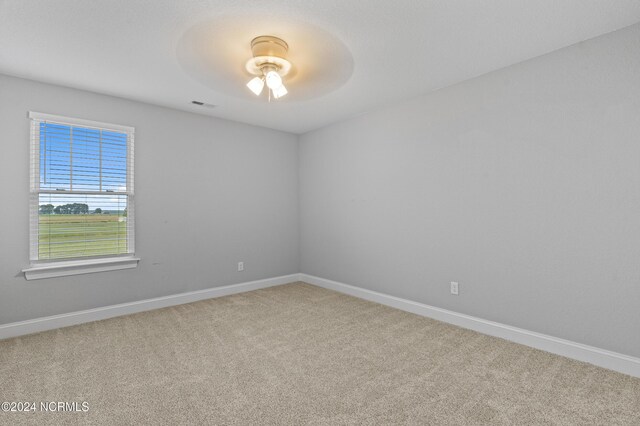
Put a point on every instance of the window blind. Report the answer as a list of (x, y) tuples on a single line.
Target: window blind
[(82, 197)]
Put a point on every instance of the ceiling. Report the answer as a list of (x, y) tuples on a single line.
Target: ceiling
[(398, 49)]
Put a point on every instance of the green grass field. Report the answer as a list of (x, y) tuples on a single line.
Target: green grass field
[(65, 235)]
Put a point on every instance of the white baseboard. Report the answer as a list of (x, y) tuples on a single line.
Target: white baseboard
[(596, 356), (603, 358), (73, 318)]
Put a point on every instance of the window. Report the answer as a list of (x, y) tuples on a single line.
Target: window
[(82, 198)]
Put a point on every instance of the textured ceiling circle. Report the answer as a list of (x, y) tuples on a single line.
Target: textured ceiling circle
[(215, 52)]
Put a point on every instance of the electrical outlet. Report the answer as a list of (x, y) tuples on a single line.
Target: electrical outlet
[(454, 288), (240, 266)]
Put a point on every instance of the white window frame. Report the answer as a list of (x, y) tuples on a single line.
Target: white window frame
[(57, 268)]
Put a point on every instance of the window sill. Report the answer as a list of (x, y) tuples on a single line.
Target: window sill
[(76, 267)]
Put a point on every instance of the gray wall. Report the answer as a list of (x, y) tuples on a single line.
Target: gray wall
[(209, 193), (523, 185)]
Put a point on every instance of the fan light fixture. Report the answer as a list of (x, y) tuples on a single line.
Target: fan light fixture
[(269, 66)]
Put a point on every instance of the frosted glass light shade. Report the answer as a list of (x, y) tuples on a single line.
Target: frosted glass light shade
[(256, 85), (279, 91), (273, 80)]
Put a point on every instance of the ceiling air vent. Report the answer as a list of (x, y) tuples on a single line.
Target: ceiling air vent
[(203, 104)]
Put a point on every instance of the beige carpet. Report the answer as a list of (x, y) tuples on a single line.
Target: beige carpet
[(299, 354)]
